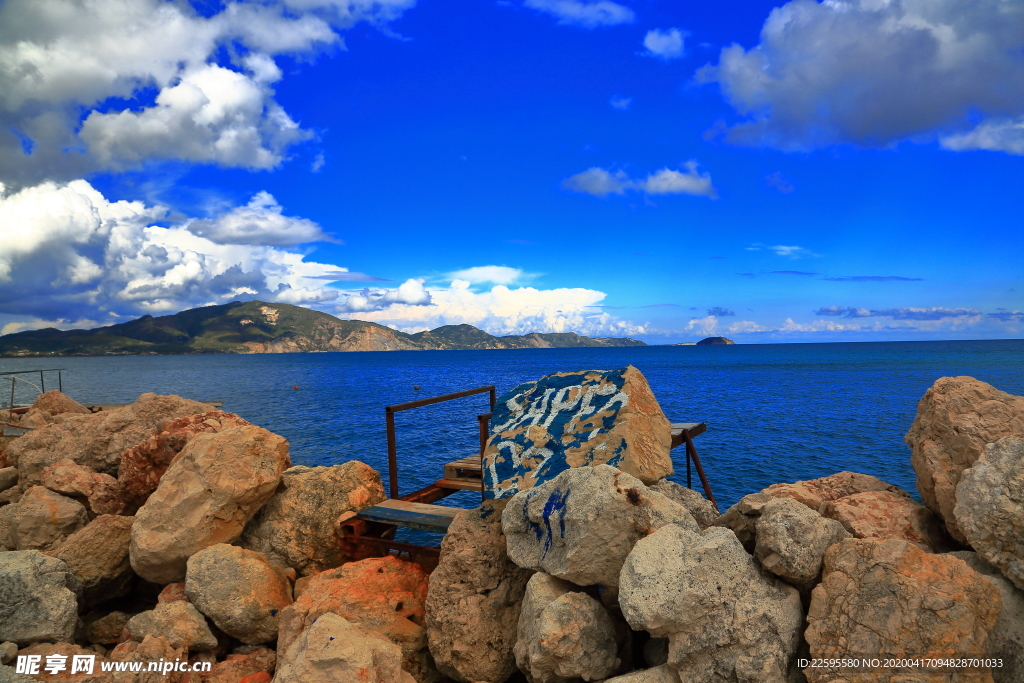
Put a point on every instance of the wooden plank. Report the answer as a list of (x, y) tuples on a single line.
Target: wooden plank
[(691, 428), (467, 468), (412, 515), (460, 484)]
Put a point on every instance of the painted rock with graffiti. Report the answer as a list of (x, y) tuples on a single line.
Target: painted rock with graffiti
[(576, 419)]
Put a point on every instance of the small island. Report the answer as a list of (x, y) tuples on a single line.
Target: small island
[(714, 340)]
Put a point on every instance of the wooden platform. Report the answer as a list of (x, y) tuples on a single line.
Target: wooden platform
[(690, 428), (463, 475), (435, 518)]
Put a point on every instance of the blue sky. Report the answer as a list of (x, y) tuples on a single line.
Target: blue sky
[(771, 172)]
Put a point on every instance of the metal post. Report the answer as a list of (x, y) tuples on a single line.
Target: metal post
[(42, 383), (12, 395), (494, 398), (392, 453), (692, 452), (60, 383), (689, 477)]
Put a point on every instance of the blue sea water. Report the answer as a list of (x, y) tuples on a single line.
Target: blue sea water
[(775, 412)]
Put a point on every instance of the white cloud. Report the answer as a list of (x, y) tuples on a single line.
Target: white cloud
[(585, 13), (503, 310), (499, 275), (260, 222), (790, 251), (410, 293), (872, 72), (996, 135), (705, 327), (667, 44), (620, 103), (61, 60), (69, 253), (600, 182)]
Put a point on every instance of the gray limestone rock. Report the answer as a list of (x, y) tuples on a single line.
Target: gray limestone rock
[(563, 634), (989, 507), (38, 598), (792, 539), (239, 590), (472, 608), (7, 651), (179, 622), (703, 512), (580, 525), (726, 620)]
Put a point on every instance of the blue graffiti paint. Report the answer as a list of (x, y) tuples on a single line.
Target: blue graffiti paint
[(556, 502), (486, 512), (273, 612)]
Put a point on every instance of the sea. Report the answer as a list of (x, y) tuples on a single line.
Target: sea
[(774, 412)]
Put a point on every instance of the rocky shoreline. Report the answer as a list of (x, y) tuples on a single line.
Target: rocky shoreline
[(164, 530)]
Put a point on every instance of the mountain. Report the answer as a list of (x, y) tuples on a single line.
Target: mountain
[(257, 327)]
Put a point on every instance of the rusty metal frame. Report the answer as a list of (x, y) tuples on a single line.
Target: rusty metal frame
[(389, 417), (691, 452)]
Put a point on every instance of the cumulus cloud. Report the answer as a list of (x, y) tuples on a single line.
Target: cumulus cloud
[(996, 135), (70, 254), (866, 72), (61, 62), (1008, 316), (720, 312), (933, 313), (260, 222), (499, 275), (409, 293), (585, 13), (666, 44), (600, 182), (503, 310)]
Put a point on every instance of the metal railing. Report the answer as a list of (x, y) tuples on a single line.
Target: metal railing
[(42, 381)]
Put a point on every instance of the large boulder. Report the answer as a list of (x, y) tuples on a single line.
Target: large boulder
[(8, 477), (98, 556), (563, 634), (889, 598), (96, 440), (472, 608), (100, 492), (792, 539), (884, 514), (700, 508), (955, 420), (580, 525), (142, 465), (206, 497), (726, 620), (151, 649), (576, 419), (42, 519), (1007, 638), (56, 403), (38, 598), (335, 650), (989, 507), (236, 667), (814, 494), (384, 594), (296, 527), (239, 590), (63, 655), (179, 621)]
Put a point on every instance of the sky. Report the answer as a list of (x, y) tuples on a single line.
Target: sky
[(803, 171)]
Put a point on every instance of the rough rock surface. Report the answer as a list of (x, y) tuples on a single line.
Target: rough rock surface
[(65, 652), (100, 492), (151, 649), (955, 420), (580, 525), (656, 674), (576, 419), (990, 507), (8, 650), (334, 649), (296, 527), (472, 607), (239, 590), (792, 539), (98, 556), (56, 403), (38, 598), (42, 519), (206, 497), (814, 493), (563, 634), (384, 594), (96, 440), (142, 465), (8, 477), (747, 626), (107, 629), (235, 667), (1007, 637), (884, 514), (891, 599), (180, 622), (699, 507), (173, 591)]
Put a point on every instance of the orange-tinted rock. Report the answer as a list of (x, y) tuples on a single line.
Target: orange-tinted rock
[(258, 665), (259, 677), (383, 594), (891, 599), (151, 649), (56, 403), (142, 465), (956, 418), (68, 651), (172, 592), (887, 515), (101, 492), (98, 556), (107, 629), (42, 519)]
